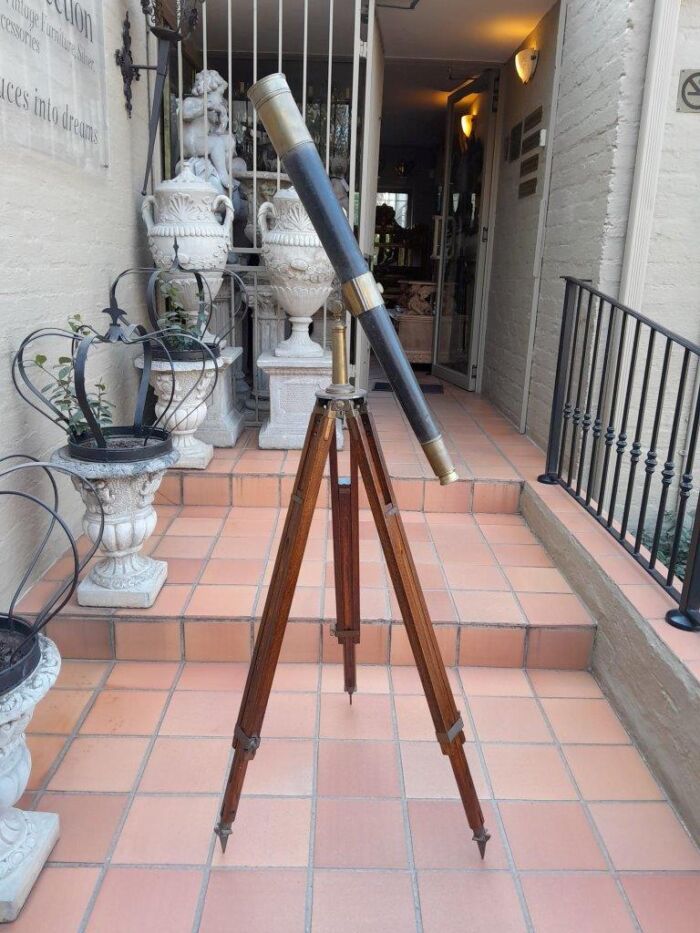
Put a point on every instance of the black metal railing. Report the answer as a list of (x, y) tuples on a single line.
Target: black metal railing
[(626, 393)]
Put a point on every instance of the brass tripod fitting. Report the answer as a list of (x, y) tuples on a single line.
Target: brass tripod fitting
[(340, 386)]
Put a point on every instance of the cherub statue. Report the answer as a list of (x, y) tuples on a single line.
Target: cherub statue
[(207, 132)]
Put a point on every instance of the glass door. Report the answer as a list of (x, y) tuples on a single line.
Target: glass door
[(462, 233)]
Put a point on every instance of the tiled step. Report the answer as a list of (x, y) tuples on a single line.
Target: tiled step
[(253, 481), (494, 596)]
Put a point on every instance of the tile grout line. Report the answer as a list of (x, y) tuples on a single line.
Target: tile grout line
[(408, 839), (611, 870), (513, 871), (309, 898), (130, 795)]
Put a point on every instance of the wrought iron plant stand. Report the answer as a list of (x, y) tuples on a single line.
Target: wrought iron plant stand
[(284, 123)]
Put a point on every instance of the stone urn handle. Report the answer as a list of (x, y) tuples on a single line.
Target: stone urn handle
[(147, 212), (222, 200), (266, 212)]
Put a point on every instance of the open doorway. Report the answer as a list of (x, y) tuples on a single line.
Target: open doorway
[(462, 230), (432, 200)]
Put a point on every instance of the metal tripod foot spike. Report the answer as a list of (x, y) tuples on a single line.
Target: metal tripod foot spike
[(223, 831), (481, 838)]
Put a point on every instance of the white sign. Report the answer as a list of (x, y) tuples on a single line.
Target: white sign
[(52, 78)]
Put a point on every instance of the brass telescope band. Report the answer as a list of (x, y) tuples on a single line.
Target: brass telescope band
[(286, 128)]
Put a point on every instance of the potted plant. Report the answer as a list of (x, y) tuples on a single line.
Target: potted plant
[(29, 665), (189, 359), (117, 468)]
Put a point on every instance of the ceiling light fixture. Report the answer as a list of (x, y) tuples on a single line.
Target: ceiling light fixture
[(526, 64)]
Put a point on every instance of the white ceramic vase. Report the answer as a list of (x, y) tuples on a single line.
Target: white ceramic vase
[(26, 838), (185, 209), (123, 577), (192, 386), (301, 275)]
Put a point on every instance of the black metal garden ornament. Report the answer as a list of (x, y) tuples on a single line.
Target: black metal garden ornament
[(84, 411), (168, 313), (170, 23), (20, 650)]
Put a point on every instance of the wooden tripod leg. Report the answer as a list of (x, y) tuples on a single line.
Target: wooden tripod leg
[(345, 512), (431, 668), (246, 737)]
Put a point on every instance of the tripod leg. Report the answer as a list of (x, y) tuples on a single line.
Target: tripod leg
[(345, 512), (431, 668), (246, 737)]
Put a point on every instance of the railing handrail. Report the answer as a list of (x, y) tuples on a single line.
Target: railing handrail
[(659, 328), (592, 435)]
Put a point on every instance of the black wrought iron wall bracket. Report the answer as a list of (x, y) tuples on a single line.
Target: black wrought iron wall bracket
[(125, 63)]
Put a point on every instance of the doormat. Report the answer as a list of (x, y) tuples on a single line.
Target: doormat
[(427, 388)]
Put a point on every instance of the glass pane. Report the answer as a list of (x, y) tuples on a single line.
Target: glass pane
[(398, 201), (462, 232)]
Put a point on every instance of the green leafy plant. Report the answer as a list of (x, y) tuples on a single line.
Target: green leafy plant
[(176, 322), (666, 539), (60, 390)]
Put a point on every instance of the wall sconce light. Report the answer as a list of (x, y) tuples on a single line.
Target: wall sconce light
[(468, 124), (526, 64)]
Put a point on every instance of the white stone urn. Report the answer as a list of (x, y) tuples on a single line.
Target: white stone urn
[(26, 838), (301, 275), (191, 384), (123, 577), (185, 209)]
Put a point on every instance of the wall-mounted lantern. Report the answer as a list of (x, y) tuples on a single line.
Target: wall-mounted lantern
[(526, 64)]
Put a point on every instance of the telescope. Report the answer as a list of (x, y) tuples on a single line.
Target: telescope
[(285, 126)]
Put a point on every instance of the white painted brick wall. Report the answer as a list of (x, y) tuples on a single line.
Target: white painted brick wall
[(64, 235), (515, 232), (603, 64)]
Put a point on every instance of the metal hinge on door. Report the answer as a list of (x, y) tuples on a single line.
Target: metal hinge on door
[(474, 370), (363, 48), (484, 234)]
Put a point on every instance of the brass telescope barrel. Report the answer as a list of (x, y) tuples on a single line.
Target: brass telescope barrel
[(285, 126)]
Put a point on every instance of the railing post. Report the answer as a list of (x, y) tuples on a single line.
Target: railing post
[(687, 616), (556, 424)]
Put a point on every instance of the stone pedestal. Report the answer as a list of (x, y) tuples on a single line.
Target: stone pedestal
[(223, 422), (26, 838), (123, 578), (293, 387)]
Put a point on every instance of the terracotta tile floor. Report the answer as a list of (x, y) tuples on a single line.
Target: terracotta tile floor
[(350, 820)]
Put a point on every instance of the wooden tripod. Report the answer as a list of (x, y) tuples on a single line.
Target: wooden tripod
[(366, 454)]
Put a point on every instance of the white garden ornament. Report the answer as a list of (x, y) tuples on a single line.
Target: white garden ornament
[(26, 838), (123, 577), (301, 275), (185, 210)]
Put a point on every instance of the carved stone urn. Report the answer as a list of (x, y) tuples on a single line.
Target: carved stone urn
[(185, 208), (123, 577), (26, 838), (301, 275), (258, 188), (191, 384)]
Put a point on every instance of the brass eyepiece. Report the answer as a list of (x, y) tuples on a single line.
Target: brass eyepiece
[(440, 460)]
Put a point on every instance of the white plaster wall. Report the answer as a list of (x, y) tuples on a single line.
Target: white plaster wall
[(672, 286), (603, 64), (64, 235), (515, 230)]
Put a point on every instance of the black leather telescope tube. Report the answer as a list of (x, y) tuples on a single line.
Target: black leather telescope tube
[(285, 126)]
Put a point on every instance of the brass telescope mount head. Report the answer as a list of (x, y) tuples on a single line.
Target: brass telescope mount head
[(340, 387)]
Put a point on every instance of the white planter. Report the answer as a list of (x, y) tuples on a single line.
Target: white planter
[(185, 208), (26, 838), (188, 409), (123, 577), (301, 275)]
